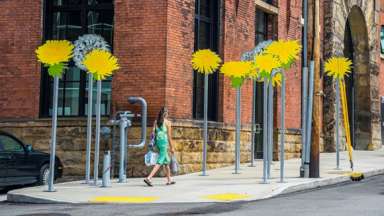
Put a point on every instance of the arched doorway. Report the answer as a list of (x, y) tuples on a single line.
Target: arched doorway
[(358, 83)]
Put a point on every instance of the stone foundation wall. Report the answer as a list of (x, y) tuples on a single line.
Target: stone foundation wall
[(187, 136)]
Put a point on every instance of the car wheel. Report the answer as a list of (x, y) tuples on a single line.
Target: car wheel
[(44, 175)]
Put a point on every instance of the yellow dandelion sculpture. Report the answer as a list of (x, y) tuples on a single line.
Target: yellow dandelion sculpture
[(265, 64), (237, 71), (54, 54), (100, 63), (205, 61), (286, 51), (338, 67)]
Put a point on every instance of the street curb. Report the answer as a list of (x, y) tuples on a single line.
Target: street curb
[(325, 182), (22, 198), (17, 197)]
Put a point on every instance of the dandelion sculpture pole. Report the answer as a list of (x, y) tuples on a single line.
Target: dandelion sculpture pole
[(265, 64), (83, 45), (338, 68), (277, 57), (249, 56), (205, 62), (237, 71), (54, 54), (101, 64)]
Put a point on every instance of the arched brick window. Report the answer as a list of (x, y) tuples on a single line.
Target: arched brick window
[(69, 19), (206, 37)]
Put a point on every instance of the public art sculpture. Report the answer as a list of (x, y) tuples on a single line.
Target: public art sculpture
[(205, 62), (54, 54), (91, 53), (265, 63), (338, 68), (101, 64), (83, 45)]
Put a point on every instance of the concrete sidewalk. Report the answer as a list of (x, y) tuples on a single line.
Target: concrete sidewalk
[(220, 186)]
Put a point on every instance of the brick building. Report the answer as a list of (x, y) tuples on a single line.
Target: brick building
[(154, 41)]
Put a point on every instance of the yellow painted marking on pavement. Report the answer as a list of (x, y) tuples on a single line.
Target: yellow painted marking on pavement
[(124, 199), (227, 197)]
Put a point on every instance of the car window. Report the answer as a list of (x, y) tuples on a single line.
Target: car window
[(8, 144)]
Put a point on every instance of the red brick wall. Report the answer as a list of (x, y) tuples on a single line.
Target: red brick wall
[(238, 36), (140, 45), (20, 34), (289, 27), (180, 46)]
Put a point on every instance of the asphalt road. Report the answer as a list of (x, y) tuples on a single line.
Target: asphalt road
[(365, 198)]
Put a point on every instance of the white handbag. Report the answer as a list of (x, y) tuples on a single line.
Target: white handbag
[(150, 158)]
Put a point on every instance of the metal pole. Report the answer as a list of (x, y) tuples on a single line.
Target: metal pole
[(337, 124), (309, 120), (304, 84), (282, 129), (265, 131), (205, 133), (97, 141), (270, 126), (238, 122), (53, 135), (89, 129), (253, 120), (303, 119), (123, 125)]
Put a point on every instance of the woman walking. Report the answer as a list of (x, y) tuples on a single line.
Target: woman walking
[(162, 130)]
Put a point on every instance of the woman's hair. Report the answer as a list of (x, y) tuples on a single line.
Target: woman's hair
[(161, 115)]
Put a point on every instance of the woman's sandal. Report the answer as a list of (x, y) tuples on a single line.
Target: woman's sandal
[(171, 183), (148, 182)]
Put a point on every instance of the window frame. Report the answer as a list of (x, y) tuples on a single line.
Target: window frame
[(46, 81)]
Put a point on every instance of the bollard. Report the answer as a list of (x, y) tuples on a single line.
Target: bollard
[(123, 125), (107, 169)]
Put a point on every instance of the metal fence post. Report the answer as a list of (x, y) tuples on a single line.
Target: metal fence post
[(53, 135)]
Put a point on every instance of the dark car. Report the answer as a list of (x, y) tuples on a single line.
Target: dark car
[(21, 165)]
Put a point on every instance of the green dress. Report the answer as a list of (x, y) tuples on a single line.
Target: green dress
[(162, 145)]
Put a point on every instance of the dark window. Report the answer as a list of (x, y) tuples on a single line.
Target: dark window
[(206, 37), (265, 29), (69, 19), (382, 39), (265, 26)]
